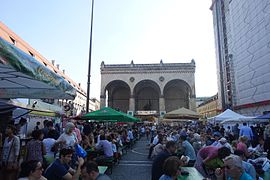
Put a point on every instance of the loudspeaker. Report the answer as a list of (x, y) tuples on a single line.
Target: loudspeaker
[(162, 113), (130, 113)]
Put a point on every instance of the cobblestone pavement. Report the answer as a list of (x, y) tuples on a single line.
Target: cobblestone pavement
[(134, 165)]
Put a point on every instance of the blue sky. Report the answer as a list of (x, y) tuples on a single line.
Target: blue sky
[(144, 31)]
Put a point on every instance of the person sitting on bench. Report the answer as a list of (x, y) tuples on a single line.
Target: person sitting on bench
[(105, 146), (90, 172)]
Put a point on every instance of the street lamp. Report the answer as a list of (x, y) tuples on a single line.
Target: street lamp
[(89, 61)]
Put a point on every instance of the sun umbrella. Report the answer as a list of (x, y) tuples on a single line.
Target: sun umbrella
[(182, 113), (109, 114)]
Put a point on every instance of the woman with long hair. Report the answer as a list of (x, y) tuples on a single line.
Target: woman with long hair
[(35, 149), (10, 154)]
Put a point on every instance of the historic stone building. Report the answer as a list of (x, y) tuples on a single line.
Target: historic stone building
[(148, 87), (209, 108)]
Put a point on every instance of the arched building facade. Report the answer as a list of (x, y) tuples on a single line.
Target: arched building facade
[(161, 87)]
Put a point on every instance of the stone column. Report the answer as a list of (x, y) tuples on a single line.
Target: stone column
[(102, 101), (132, 103), (192, 103), (161, 103)]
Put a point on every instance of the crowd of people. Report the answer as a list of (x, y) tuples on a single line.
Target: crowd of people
[(216, 152), (51, 153)]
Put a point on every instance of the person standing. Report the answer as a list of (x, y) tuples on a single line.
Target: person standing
[(246, 131), (50, 146), (235, 131), (78, 132), (142, 131), (10, 154), (35, 149), (228, 132), (49, 126), (37, 125), (68, 139), (147, 132), (22, 127)]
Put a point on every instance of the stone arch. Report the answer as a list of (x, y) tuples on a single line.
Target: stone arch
[(118, 93), (177, 94), (146, 94)]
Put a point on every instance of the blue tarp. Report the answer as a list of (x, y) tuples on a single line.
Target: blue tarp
[(265, 116)]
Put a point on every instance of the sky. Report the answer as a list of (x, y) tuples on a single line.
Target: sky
[(144, 31)]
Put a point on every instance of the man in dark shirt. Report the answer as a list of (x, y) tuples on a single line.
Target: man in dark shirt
[(49, 127), (90, 172), (60, 169), (158, 162)]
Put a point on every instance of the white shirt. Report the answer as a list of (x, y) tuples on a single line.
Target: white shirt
[(142, 130), (70, 140), (155, 140), (48, 143)]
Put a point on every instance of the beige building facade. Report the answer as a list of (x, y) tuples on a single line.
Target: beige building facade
[(209, 108), (76, 106), (158, 88)]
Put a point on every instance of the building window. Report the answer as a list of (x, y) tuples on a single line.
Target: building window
[(31, 54), (13, 40)]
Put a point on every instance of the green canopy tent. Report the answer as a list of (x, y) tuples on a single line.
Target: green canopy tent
[(107, 114)]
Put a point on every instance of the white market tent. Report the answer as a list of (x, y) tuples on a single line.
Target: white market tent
[(228, 114), (248, 120)]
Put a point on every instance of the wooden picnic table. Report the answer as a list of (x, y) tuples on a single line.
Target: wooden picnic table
[(193, 174)]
